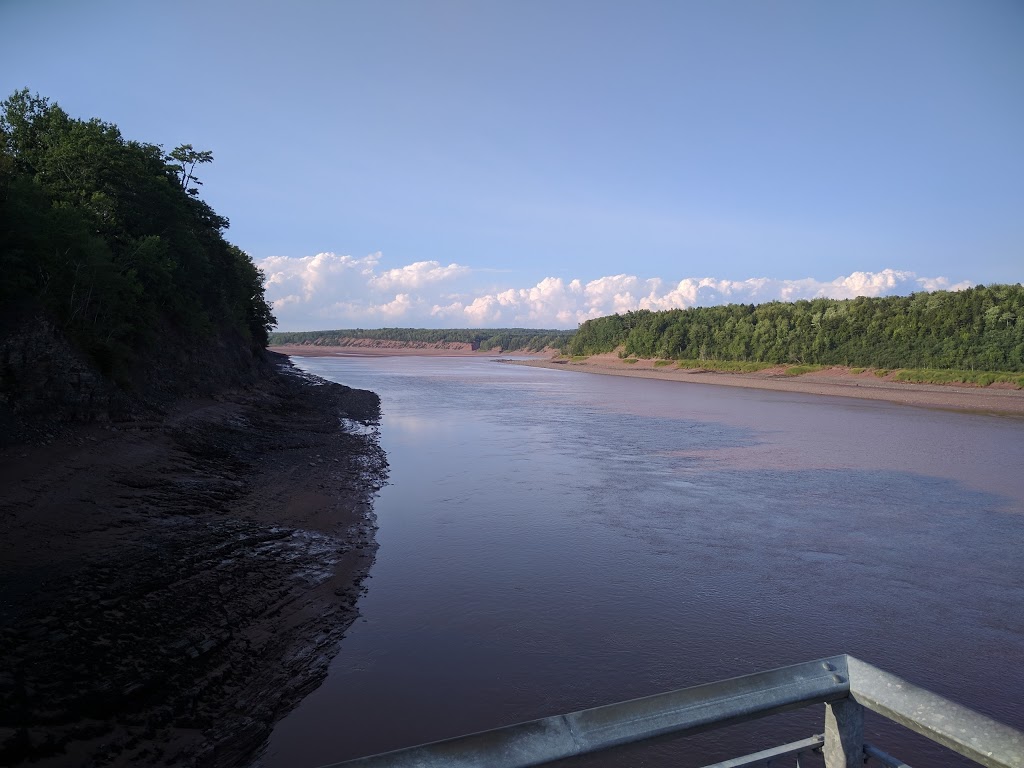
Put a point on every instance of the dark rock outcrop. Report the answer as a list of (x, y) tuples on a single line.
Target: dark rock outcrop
[(171, 586)]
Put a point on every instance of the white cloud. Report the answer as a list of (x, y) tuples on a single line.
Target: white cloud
[(302, 279), (942, 284), (330, 291), (553, 303), (416, 275), (398, 307)]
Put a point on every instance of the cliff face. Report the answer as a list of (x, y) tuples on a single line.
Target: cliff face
[(46, 380), (43, 376)]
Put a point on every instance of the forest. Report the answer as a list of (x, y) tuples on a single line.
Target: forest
[(505, 339), (108, 239), (979, 328)]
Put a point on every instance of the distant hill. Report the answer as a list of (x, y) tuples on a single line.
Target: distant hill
[(504, 339)]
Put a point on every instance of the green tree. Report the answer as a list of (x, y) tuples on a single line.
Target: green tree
[(110, 242), (185, 159)]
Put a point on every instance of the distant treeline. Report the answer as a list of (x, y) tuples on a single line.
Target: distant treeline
[(507, 339), (107, 238), (976, 329)]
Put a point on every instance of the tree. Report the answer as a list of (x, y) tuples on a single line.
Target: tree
[(186, 158), (106, 239)]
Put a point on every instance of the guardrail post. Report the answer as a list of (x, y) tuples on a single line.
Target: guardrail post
[(844, 734)]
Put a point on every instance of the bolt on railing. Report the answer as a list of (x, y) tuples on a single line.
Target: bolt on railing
[(844, 684)]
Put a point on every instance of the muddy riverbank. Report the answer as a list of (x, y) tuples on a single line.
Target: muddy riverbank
[(170, 586), (836, 381)]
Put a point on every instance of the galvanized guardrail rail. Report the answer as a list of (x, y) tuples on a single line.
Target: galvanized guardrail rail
[(845, 685)]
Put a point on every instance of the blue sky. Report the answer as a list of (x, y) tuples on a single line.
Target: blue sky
[(440, 163)]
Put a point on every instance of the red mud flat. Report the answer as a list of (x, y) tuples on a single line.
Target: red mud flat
[(836, 382), (172, 586)]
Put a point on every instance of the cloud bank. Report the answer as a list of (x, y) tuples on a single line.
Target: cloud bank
[(331, 291)]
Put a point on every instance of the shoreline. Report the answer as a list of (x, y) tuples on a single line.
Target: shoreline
[(394, 349), (836, 381), (833, 382), (171, 586)]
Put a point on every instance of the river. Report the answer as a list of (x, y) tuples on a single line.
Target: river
[(553, 540)]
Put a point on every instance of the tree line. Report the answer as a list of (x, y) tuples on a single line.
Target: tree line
[(507, 339), (108, 238), (980, 328)]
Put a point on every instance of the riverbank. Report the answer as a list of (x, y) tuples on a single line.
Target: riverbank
[(379, 348), (835, 382), (173, 585)]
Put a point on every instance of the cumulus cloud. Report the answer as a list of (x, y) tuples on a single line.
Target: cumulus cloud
[(300, 280), (416, 275), (555, 303), (330, 291)]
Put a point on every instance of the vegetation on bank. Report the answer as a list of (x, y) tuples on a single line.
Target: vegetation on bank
[(505, 339), (800, 370), (978, 329), (975, 378), (108, 239), (730, 366), (911, 375)]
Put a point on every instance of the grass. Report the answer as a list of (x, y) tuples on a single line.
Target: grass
[(800, 370), (911, 375), (977, 378), (732, 366)]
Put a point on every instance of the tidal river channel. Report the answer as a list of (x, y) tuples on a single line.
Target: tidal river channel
[(552, 541)]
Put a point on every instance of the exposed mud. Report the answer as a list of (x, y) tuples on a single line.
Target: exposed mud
[(836, 381), (171, 587)]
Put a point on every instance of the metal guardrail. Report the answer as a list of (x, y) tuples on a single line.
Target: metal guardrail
[(843, 683), (768, 756)]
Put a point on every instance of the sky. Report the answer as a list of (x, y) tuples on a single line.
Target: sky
[(445, 163)]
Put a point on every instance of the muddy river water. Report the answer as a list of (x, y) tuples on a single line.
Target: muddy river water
[(553, 540)]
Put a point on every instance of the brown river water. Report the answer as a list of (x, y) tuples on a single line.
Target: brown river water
[(552, 541)]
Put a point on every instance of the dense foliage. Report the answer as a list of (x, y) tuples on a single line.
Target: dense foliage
[(978, 328), (507, 339), (108, 238)]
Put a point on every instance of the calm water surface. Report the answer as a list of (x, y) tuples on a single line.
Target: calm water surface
[(552, 540)]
